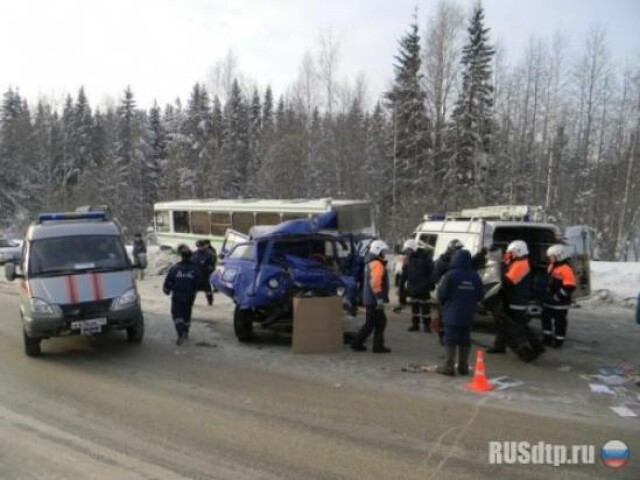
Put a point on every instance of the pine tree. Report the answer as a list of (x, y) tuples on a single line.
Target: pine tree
[(255, 145), (472, 116), (235, 149), (15, 160), (198, 135), (157, 154), (377, 167), (411, 166)]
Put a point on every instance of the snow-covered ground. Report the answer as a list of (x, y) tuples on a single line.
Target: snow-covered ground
[(617, 282)]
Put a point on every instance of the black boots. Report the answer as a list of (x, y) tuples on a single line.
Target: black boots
[(463, 360), (447, 367)]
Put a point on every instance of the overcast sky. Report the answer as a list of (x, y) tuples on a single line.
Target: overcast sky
[(162, 47)]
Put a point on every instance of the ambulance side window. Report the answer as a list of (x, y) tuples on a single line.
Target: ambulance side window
[(429, 239)]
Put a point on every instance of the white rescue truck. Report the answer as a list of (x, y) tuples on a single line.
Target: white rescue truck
[(492, 228)]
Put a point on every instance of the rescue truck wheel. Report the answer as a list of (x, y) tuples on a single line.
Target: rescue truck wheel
[(135, 333), (31, 345), (243, 324)]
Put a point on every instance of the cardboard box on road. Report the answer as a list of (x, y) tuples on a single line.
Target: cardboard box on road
[(317, 325)]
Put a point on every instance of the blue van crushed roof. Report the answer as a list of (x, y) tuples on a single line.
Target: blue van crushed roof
[(325, 221)]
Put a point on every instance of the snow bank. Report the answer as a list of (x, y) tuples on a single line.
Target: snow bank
[(615, 282)]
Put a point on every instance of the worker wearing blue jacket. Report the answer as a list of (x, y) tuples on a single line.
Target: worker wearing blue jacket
[(459, 293), (182, 284)]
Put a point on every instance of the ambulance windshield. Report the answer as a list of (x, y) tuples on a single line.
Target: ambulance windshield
[(69, 255)]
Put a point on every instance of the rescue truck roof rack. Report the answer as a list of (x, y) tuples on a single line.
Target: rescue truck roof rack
[(70, 216), (521, 213)]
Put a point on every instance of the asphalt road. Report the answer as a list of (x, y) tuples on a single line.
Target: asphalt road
[(106, 409)]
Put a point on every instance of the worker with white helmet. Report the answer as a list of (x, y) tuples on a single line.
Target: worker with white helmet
[(375, 294), (516, 292), (557, 300)]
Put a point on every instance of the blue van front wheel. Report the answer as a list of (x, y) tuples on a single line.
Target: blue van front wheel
[(243, 324)]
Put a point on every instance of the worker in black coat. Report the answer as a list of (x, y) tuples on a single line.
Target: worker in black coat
[(182, 283), (417, 280)]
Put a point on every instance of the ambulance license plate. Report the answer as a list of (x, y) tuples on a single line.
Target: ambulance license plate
[(89, 327)]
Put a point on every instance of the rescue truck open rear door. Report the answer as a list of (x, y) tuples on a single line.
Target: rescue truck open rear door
[(577, 239)]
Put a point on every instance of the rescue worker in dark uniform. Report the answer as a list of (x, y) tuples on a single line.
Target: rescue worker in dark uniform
[(516, 292), (444, 260), (557, 300), (375, 293), (417, 281), (441, 267), (139, 255), (205, 261), (182, 283), (213, 252), (459, 293)]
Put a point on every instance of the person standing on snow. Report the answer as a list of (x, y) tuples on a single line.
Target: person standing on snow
[(182, 283), (375, 293), (459, 293), (557, 300), (417, 281), (204, 259), (139, 255)]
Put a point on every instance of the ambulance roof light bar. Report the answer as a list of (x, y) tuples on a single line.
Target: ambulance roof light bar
[(66, 216)]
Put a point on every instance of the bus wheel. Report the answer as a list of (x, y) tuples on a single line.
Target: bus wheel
[(243, 324)]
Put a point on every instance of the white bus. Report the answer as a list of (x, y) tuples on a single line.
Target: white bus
[(186, 221)]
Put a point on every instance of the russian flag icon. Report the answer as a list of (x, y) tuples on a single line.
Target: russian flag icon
[(615, 454)]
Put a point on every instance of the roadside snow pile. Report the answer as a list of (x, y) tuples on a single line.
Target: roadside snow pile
[(615, 282)]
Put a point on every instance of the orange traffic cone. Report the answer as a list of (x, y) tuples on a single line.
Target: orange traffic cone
[(479, 382)]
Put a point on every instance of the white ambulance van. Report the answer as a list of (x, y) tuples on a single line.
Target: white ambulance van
[(75, 279), (494, 227)]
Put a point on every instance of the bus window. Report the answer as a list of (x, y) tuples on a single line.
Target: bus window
[(219, 223), (200, 223), (162, 221), (293, 216), (181, 222), (243, 221), (267, 218)]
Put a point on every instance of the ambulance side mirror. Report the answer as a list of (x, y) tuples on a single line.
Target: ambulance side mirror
[(10, 272)]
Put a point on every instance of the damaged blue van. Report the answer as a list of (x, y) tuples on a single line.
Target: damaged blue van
[(263, 271)]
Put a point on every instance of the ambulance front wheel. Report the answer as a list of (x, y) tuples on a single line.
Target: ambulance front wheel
[(135, 333), (31, 345)]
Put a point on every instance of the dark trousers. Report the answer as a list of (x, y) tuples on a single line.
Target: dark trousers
[(181, 313), (506, 333), (554, 323), (205, 287), (421, 310), (457, 336), (376, 322)]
